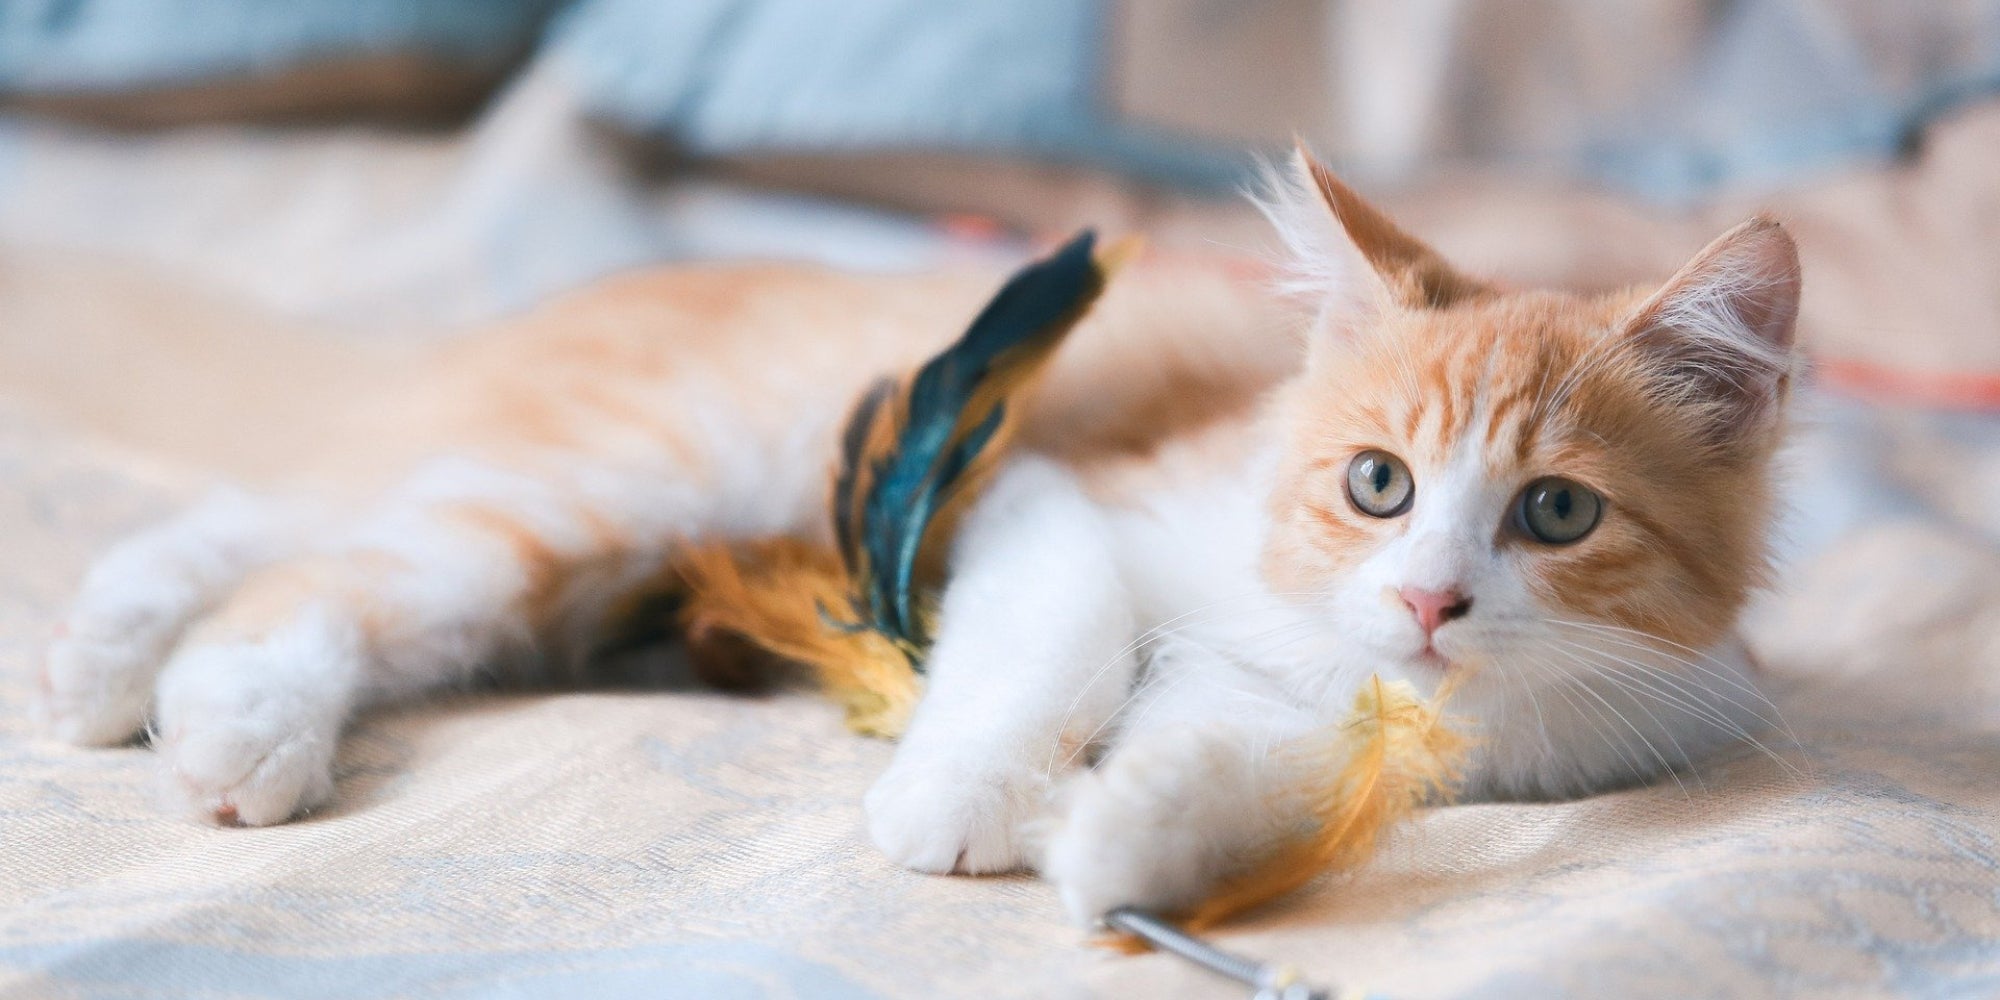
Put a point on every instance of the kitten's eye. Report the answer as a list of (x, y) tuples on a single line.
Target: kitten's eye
[(1559, 511), (1379, 484)]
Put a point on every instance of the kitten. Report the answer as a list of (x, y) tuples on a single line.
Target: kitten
[(1208, 538)]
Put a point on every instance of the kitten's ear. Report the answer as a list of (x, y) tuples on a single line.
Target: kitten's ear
[(1719, 332), (1347, 253)]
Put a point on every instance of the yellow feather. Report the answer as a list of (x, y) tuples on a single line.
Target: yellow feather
[(1392, 754)]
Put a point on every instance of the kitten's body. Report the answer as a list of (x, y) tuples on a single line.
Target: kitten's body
[(1164, 570)]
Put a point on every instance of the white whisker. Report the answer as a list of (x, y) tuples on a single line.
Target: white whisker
[(1167, 629), (1687, 701), (1645, 641), (1680, 753), (1559, 685)]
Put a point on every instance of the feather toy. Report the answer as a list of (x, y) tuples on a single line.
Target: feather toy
[(910, 458), (1392, 754), (772, 593), (859, 615)]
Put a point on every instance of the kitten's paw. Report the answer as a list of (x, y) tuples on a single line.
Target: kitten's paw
[(99, 669), (939, 814), (1157, 826), (95, 685), (247, 730)]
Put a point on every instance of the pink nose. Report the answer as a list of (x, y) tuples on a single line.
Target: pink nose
[(1435, 607)]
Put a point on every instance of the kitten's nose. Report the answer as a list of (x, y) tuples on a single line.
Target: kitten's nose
[(1435, 607)]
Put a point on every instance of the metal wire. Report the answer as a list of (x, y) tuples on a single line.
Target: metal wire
[(1271, 982)]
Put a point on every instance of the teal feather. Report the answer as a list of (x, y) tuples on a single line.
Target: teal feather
[(893, 484)]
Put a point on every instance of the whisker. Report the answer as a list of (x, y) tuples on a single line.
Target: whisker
[(1649, 638), (1642, 679), (1522, 685), (1151, 635), (1774, 719), (1643, 740), (1661, 675), (1680, 752), (1688, 702), (1645, 642), (1603, 732), (1306, 630)]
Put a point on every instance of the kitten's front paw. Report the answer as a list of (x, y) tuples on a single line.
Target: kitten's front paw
[(939, 814), (248, 729), (1157, 826)]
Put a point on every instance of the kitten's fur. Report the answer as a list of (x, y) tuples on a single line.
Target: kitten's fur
[(1170, 575)]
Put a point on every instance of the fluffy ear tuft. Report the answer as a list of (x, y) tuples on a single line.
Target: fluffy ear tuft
[(1720, 330), (1320, 264), (1345, 253)]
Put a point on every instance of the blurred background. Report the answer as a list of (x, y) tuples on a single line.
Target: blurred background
[(449, 159), (219, 218)]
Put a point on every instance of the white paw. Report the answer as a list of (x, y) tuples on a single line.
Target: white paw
[(99, 670), (938, 813), (247, 730), (96, 683), (1157, 826)]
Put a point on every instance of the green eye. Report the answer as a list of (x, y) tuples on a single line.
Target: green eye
[(1559, 511), (1379, 484)]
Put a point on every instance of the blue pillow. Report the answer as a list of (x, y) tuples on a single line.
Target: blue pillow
[(70, 46), (738, 77)]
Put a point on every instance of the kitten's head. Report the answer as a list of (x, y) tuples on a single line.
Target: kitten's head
[(1485, 480)]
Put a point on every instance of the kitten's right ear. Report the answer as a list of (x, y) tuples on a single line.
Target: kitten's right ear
[(1345, 254), (1718, 334)]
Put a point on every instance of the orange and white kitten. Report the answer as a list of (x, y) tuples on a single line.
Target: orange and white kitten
[(1207, 539)]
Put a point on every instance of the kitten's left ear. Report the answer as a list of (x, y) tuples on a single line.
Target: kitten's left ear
[(1347, 255), (1719, 332), (1416, 275)]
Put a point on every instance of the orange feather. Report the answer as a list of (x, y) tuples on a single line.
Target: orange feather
[(774, 592), (1392, 754)]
